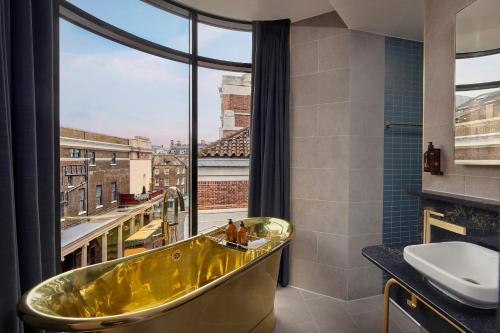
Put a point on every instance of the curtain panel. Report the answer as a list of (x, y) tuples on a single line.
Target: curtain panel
[(29, 230), (269, 187)]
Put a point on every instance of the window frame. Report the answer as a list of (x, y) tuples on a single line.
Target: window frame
[(477, 85), (92, 159), (113, 158), (98, 204), (83, 19), (114, 190), (74, 153), (82, 208)]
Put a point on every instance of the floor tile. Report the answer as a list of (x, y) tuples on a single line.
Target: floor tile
[(331, 316), (305, 327), (299, 310), (364, 304), (372, 321), (289, 308), (309, 294)]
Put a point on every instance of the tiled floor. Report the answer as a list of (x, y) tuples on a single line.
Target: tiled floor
[(299, 311)]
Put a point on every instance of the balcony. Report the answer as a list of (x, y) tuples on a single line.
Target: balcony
[(136, 199)]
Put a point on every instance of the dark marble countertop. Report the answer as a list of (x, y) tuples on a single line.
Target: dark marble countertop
[(390, 259), (480, 203)]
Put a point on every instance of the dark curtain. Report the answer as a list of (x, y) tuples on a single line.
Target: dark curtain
[(269, 188), (29, 230)]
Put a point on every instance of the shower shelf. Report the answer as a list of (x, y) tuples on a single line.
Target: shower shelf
[(218, 235)]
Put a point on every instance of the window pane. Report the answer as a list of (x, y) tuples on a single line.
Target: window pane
[(478, 70), (142, 20), (223, 161), (224, 44), (120, 104), (477, 126)]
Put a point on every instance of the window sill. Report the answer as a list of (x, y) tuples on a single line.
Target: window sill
[(113, 164), (71, 186), (82, 213), (98, 207), (113, 201)]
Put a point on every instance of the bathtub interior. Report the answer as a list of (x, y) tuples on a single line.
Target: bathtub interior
[(150, 279)]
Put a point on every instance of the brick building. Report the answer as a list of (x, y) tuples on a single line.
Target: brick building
[(178, 148), (223, 169), (235, 94), (170, 170), (223, 165), (95, 168), (477, 129)]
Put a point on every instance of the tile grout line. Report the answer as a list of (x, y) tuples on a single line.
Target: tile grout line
[(310, 312), (350, 317)]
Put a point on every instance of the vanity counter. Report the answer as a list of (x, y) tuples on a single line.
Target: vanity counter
[(390, 259)]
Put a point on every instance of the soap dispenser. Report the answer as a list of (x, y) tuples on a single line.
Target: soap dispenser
[(243, 234), (432, 160), (231, 232)]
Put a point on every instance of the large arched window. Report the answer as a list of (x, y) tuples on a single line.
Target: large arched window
[(152, 95)]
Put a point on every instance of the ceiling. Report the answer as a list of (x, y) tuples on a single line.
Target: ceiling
[(250, 10), (398, 18), (478, 27)]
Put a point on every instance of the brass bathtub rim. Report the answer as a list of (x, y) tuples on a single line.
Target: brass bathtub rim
[(31, 315)]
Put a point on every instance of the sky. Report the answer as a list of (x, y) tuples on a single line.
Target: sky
[(109, 88)]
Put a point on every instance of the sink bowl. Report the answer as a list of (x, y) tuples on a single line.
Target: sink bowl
[(464, 271)]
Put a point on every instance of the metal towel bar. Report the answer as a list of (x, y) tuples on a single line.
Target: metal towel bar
[(389, 124)]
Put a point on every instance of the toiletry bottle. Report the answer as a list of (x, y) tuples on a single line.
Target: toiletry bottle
[(231, 232), (243, 234)]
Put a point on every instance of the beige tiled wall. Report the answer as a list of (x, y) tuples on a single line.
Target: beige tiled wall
[(337, 111), (439, 67)]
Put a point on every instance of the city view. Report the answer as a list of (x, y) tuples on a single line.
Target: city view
[(124, 139)]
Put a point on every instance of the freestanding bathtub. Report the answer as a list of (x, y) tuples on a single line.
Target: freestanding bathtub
[(197, 285)]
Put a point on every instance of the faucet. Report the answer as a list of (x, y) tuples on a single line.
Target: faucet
[(170, 232), (430, 221)]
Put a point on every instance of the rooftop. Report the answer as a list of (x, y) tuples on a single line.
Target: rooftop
[(236, 145)]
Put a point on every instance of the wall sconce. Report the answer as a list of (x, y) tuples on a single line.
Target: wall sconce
[(432, 160)]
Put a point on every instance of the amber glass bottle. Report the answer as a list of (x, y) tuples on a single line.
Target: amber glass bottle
[(243, 234), (231, 232), (432, 160)]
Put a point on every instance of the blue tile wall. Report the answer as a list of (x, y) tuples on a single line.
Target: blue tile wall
[(402, 145)]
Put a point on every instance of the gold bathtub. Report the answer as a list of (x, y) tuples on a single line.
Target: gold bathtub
[(197, 285)]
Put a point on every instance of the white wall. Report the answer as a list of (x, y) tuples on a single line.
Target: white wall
[(337, 115), (140, 175), (439, 72)]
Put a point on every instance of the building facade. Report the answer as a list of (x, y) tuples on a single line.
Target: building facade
[(477, 129), (235, 94), (170, 170), (178, 148), (95, 169), (223, 171), (140, 164)]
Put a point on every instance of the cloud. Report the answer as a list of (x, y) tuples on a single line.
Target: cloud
[(125, 94)]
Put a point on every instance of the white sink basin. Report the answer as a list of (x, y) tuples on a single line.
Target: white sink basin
[(464, 271)]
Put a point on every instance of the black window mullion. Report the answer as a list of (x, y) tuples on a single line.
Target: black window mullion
[(193, 138)]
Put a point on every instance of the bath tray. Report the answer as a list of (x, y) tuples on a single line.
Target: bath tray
[(218, 235)]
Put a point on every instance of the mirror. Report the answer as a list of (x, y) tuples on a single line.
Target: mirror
[(477, 84)]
